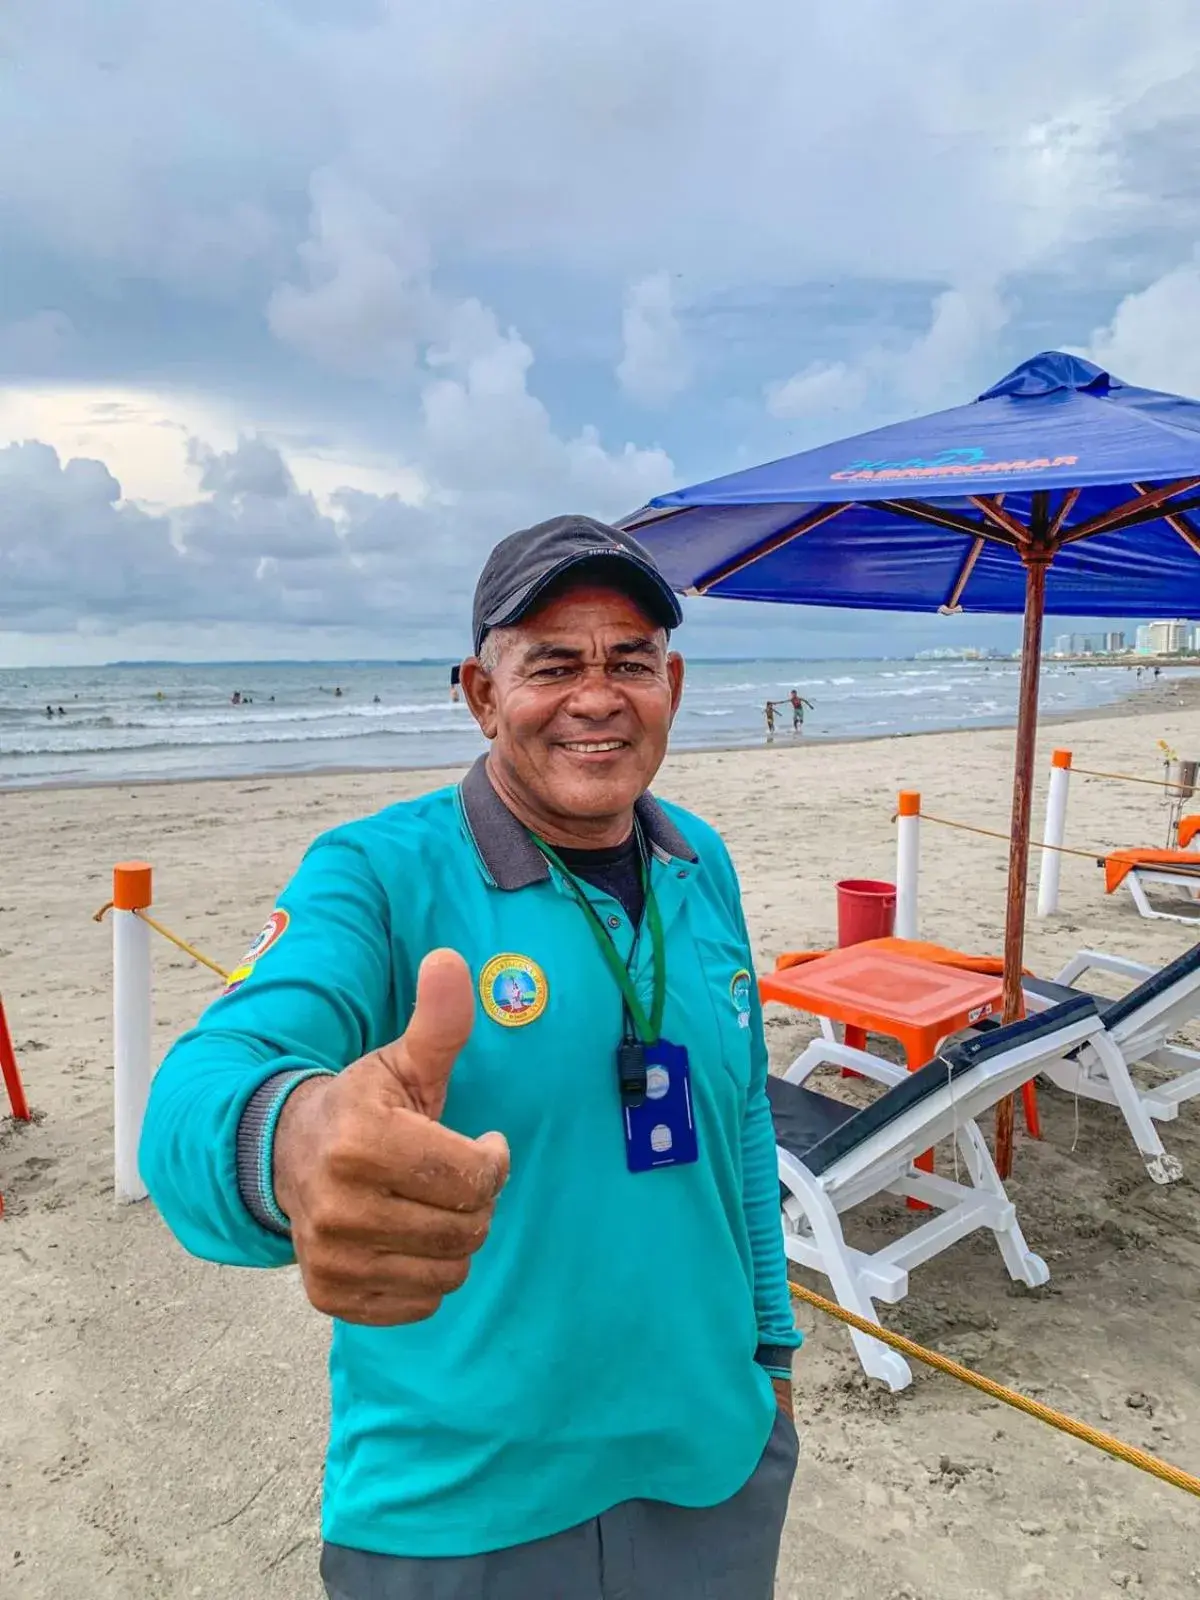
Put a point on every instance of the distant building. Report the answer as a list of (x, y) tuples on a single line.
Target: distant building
[(1114, 643), (1168, 637), (1143, 646)]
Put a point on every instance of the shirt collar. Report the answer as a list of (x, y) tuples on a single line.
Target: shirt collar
[(510, 856)]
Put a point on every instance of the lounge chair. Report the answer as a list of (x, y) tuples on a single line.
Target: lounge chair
[(1136, 1030), (1177, 872), (834, 1156)]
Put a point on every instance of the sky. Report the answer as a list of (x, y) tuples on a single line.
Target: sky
[(305, 304)]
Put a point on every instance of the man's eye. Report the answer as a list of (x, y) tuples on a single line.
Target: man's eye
[(549, 674), (633, 668)]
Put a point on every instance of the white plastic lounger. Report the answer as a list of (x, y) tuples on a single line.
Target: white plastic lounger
[(1136, 1030), (1183, 882), (834, 1156)]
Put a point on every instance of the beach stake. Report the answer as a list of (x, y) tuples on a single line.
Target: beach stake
[(1055, 833), (908, 848), (132, 892), (12, 1073)]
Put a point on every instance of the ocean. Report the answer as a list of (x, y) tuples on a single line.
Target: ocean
[(142, 722)]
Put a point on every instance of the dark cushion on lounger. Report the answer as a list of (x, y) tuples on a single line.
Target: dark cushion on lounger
[(1150, 988), (819, 1138), (1056, 993)]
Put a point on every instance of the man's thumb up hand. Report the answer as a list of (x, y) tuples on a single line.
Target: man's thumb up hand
[(386, 1205)]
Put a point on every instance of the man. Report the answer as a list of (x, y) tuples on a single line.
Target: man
[(493, 1074), (798, 703), (455, 674)]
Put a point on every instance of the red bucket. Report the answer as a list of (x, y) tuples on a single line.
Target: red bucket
[(866, 910)]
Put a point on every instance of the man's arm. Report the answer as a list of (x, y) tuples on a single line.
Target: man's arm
[(317, 999), (778, 1335)]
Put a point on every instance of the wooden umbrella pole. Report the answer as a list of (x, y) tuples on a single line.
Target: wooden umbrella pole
[(1036, 562)]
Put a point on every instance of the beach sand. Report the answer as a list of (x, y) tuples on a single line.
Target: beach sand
[(163, 1421)]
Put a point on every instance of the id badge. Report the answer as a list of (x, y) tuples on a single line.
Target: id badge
[(661, 1132)]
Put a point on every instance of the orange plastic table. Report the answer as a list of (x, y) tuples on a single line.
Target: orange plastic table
[(915, 1002)]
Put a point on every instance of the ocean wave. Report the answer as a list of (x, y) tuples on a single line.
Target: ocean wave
[(62, 749)]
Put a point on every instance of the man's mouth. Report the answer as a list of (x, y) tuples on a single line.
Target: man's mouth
[(593, 747)]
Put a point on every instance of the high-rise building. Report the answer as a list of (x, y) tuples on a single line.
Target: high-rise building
[(1168, 637), (1114, 642), (1143, 640)]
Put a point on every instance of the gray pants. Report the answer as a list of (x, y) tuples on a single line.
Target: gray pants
[(640, 1550)]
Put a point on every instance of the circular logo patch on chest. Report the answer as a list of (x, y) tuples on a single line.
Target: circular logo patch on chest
[(513, 990)]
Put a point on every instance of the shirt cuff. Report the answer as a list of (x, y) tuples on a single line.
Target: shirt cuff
[(256, 1145), (776, 1359)]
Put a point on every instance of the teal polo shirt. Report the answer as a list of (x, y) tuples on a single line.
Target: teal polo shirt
[(603, 1347)]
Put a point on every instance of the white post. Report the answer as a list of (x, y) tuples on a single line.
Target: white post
[(1055, 832), (908, 860), (132, 985)]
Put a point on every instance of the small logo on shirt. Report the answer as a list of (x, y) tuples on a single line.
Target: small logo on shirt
[(513, 990), (739, 993), (273, 930)]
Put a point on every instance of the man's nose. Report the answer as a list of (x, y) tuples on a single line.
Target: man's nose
[(595, 696)]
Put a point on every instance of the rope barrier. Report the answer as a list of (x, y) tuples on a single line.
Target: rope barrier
[(1125, 777), (991, 833), (172, 938), (1083, 1431)]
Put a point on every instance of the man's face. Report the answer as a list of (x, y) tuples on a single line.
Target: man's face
[(579, 704)]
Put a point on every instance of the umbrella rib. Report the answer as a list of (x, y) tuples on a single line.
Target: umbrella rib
[(1063, 512), (1180, 524), (968, 566), (1117, 517), (999, 518), (1135, 519), (776, 541), (922, 511), (649, 515)]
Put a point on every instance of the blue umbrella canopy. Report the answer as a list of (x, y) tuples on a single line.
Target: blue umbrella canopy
[(1059, 462), (1060, 489)]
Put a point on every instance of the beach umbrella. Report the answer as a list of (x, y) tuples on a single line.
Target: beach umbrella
[(1060, 490)]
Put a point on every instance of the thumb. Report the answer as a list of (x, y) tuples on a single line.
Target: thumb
[(422, 1060)]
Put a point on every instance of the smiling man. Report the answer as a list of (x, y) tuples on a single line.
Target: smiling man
[(494, 1075)]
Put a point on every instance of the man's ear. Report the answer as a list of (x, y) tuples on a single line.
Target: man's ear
[(675, 679), (479, 691)]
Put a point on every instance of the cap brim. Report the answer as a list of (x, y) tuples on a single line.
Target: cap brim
[(641, 581)]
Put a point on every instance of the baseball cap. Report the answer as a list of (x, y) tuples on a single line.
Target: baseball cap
[(522, 567)]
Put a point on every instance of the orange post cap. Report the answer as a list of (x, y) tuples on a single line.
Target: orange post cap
[(908, 804), (132, 889)]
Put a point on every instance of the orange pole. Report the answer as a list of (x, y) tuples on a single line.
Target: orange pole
[(12, 1074)]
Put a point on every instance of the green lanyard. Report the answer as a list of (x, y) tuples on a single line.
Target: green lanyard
[(649, 1028)]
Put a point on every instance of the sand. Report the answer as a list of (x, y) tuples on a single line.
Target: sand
[(163, 1422)]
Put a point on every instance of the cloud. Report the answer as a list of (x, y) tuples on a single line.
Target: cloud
[(655, 363), (368, 299), (918, 373), (818, 389), (254, 547), (1151, 339)]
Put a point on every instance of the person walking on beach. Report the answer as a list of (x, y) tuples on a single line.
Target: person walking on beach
[(469, 1079), (455, 674), (798, 703)]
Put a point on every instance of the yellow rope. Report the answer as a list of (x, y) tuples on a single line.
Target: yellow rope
[(1032, 1408), (991, 833), (173, 938), (1125, 777)]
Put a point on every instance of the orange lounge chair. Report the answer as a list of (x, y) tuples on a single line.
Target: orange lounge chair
[(1177, 871)]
